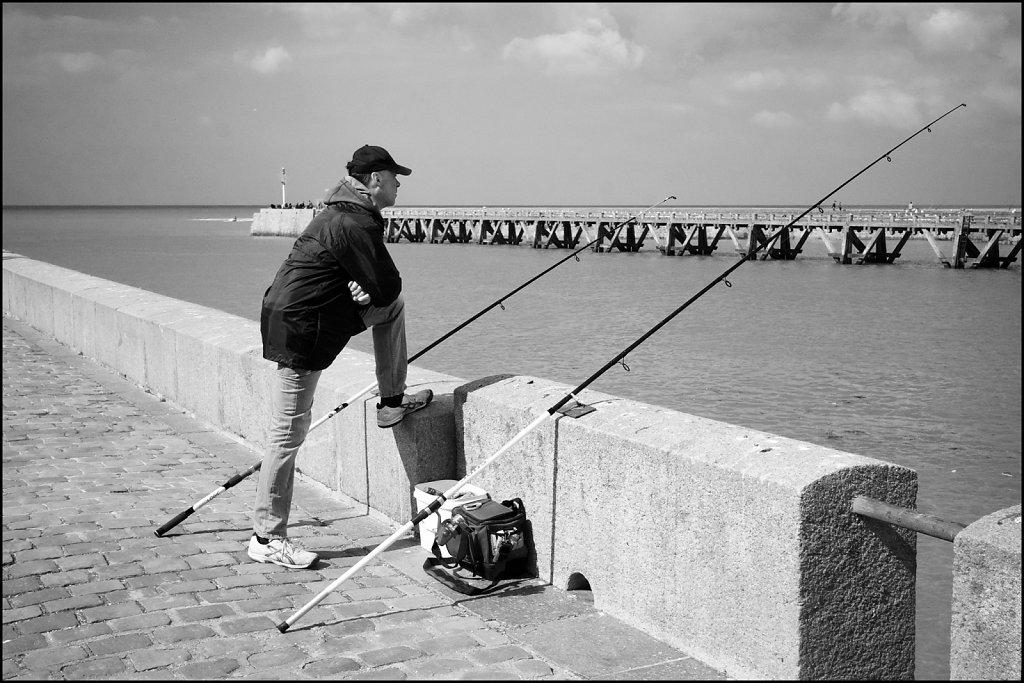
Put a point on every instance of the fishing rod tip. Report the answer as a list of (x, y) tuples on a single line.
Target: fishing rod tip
[(671, 196)]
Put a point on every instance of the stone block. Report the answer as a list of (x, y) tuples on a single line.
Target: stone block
[(985, 633), (735, 545)]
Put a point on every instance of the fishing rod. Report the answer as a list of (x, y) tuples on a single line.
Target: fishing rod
[(235, 479), (439, 501)]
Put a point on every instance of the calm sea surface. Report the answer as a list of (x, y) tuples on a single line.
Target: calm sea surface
[(910, 363)]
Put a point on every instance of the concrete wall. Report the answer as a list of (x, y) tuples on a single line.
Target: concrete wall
[(985, 631), (732, 544), (280, 222), (735, 545), (210, 363)]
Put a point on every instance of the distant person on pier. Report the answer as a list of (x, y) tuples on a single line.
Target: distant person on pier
[(338, 280)]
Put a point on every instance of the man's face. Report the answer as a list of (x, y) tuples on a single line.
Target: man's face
[(386, 191)]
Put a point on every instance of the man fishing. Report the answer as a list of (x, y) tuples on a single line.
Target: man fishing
[(338, 280)]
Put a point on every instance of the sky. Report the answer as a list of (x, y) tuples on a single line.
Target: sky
[(513, 104)]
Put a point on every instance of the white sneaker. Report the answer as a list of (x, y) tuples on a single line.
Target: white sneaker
[(389, 417), (283, 552)]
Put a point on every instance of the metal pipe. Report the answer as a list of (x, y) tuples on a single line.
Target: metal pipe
[(906, 518)]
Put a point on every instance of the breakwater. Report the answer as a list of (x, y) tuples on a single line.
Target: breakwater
[(747, 536), (976, 239)]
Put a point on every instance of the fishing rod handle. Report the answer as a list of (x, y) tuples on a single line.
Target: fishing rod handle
[(178, 519)]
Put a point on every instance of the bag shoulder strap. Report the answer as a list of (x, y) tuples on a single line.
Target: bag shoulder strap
[(433, 566)]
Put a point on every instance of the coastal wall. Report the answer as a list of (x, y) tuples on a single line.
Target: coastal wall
[(985, 632), (210, 363), (732, 544)]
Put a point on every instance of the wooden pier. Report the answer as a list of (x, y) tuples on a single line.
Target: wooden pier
[(988, 239)]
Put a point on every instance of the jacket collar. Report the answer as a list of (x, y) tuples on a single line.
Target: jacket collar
[(349, 190)]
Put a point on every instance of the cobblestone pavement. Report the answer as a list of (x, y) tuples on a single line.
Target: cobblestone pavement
[(92, 465)]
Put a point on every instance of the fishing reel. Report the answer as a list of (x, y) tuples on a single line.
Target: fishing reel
[(447, 530)]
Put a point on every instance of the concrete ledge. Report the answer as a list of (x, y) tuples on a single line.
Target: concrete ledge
[(986, 624), (735, 545)]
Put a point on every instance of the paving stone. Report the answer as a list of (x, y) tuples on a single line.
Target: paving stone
[(175, 634), (18, 586), (218, 648), (50, 622), (204, 612), (96, 587), (387, 674), (22, 613), (93, 668), (486, 675), (447, 643), (141, 621), (152, 658), (81, 633), (389, 655), (243, 581), (122, 643), (233, 627), (493, 655), (108, 612), (165, 602), (328, 668), (66, 578), (277, 657), (36, 597), (534, 668), (18, 645), (436, 668), (51, 658), (205, 671)]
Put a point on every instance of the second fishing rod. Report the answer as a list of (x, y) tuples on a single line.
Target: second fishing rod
[(240, 476)]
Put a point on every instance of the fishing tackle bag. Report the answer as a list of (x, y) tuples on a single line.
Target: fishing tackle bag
[(486, 538)]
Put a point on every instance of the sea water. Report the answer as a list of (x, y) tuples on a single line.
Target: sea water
[(911, 363)]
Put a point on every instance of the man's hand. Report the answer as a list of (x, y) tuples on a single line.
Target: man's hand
[(358, 295)]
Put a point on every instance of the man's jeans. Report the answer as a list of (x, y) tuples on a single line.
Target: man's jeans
[(292, 411)]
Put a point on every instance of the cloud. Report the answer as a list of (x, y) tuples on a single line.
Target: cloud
[(883, 106), (952, 30), (756, 81), (269, 62), (773, 119), (77, 62), (86, 63), (590, 49), (935, 29), (1006, 97)]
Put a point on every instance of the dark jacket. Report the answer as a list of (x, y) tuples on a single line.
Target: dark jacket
[(308, 313)]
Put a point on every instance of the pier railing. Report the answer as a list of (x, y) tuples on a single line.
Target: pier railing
[(975, 238), (864, 236)]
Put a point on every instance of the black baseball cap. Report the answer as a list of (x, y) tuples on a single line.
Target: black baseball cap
[(370, 158)]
